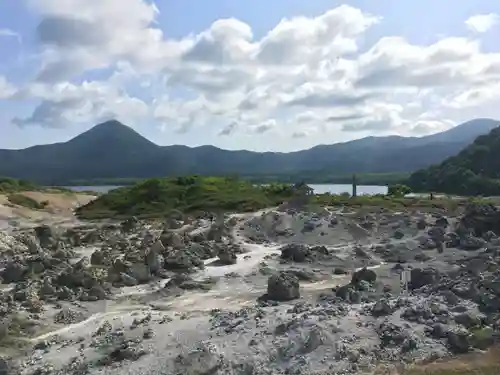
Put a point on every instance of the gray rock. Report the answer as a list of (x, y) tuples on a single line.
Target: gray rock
[(227, 255), (31, 243), (5, 368), (172, 239), (283, 287), (364, 275), (421, 224), (130, 224), (442, 222), (295, 252), (14, 272), (458, 341), (98, 258), (437, 233), (398, 234), (140, 272), (47, 236), (183, 260), (472, 243), (381, 308), (154, 260), (128, 280), (421, 277)]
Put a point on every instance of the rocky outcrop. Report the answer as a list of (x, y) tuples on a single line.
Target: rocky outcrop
[(283, 286), (481, 218)]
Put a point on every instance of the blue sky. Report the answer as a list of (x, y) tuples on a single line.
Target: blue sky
[(262, 75)]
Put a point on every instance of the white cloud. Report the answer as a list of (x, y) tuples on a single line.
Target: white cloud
[(64, 104), (482, 23), (7, 90), (306, 77), (96, 36), (10, 33)]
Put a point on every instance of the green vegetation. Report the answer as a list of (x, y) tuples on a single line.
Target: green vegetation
[(23, 200), (398, 190), (157, 196), (311, 177), (474, 171), (12, 185), (396, 202), (486, 363)]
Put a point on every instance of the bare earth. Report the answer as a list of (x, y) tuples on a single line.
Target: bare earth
[(186, 316), (59, 209)]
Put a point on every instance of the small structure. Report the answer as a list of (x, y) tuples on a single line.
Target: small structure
[(354, 186)]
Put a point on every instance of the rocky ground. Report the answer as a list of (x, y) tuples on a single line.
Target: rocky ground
[(279, 291)]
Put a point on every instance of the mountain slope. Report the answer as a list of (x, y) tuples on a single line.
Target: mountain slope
[(473, 171), (113, 150)]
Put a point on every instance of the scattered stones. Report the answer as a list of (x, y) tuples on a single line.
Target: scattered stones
[(67, 316), (301, 325)]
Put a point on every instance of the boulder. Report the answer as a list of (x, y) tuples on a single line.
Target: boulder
[(472, 243), (130, 224), (47, 236), (140, 272), (283, 287), (437, 233), (421, 224), (381, 308), (14, 272), (183, 260), (421, 277), (227, 255), (172, 239), (364, 275), (398, 234), (31, 242), (153, 258), (481, 218), (295, 252)]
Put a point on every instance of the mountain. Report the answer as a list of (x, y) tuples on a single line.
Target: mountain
[(473, 171), (112, 150)]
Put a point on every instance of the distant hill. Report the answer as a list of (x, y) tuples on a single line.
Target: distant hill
[(473, 171), (112, 150)]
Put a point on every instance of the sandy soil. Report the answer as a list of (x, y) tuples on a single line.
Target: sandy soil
[(59, 209)]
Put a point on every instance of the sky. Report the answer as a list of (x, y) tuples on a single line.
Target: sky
[(262, 75)]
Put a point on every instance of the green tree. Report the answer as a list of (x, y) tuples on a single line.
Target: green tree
[(398, 190)]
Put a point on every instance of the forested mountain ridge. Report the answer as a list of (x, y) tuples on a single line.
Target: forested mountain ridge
[(473, 171), (112, 150)]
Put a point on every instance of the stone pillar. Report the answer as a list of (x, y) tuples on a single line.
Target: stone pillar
[(354, 186)]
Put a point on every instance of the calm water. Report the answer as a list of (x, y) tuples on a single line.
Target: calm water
[(318, 189), (99, 189)]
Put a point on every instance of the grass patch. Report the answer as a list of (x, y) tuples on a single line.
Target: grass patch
[(155, 197), (23, 200), (13, 185), (449, 204)]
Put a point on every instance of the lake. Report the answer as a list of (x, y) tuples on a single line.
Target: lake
[(318, 189)]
